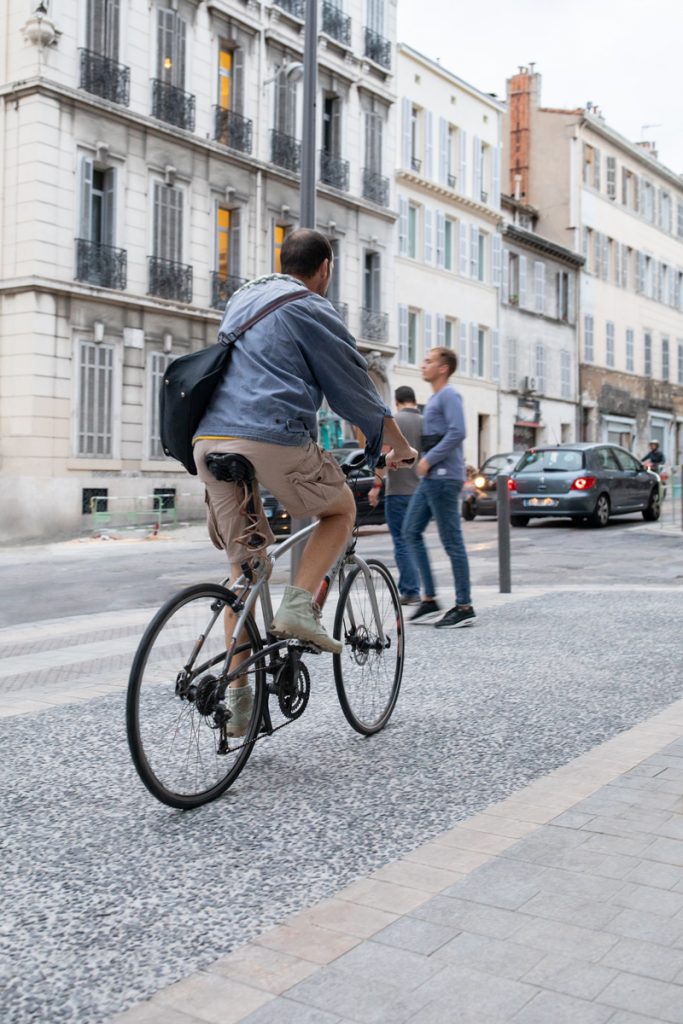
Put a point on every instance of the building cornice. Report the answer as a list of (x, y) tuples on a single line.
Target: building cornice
[(404, 50), (636, 152), (531, 240), (454, 198)]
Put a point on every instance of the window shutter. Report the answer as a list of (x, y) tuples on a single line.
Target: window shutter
[(605, 258), (237, 91), (440, 330), (463, 247), (463, 347), (522, 281), (462, 183), (86, 198), (440, 239), (495, 355), (474, 252), (640, 272), (611, 177), (164, 43), (571, 297), (403, 334), (495, 177), (476, 170), (443, 151), (429, 249), (596, 170), (512, 362), (402, 226), (406, 107), (108, 208), (497, 259), (539, 286), (428, 331), (429, 145), (506, 276), (234, 246), (180, 48), (475, 369)]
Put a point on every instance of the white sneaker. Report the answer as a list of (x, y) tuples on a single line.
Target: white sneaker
[(240, 703), (298, 617)]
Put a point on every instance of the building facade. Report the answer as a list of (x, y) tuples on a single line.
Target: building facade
[(449, 249), (614, 203), (151, 166), (539, 376)]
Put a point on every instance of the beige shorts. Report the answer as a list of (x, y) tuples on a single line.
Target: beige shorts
[(305, 479)]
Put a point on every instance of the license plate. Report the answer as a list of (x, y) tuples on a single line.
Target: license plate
[(541, 503)]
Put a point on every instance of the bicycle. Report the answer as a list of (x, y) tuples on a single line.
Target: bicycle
[(178, 720)]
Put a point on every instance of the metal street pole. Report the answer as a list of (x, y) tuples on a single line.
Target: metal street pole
[(503, 509), (307, 201)]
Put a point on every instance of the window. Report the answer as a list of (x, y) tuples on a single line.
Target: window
[(609, 342), (412, 337), (512, 363), (477, 350), (588, 164), (168, 222), (102, 28), (158, 361), (539, 365), (280, 232), (513, 279), (665, 212), (449, 333), (588, 344), (412, 231), (647, 354), (680, 361), (94, 499), (539, 286), (332, 108), (97, 204), (371, 281), (171, 35), (285, 106), (95, 400), (228, 242), (611, 177), (415, 161), (481, 257), (565, 374), (562, 295), (647, 207), (666, 368), (451, 158), (679, 219), (230, 77), (630, 351), (449, 234)]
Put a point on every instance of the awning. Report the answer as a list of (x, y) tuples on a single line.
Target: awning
[(526, 423)]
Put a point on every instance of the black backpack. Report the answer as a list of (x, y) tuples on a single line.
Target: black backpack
[(190, 381)]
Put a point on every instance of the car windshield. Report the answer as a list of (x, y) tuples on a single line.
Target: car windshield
[(551, 460), (498, 463)]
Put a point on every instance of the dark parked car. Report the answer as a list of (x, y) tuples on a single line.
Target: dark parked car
[(360, 481), (587, 482), (479, 493)]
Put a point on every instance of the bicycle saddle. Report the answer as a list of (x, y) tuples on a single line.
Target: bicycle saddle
[(230, 467)]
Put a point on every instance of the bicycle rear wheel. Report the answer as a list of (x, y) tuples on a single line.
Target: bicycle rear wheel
[(368, 672), (176, 723)]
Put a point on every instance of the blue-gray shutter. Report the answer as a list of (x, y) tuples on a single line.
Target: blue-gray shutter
[(505, 297), (462, 359), (403, 334), (86, 198), (474, 252), (497, 259), (495, 355), (402, 226), (237, 91), (109, 208), (476, 172), (428, 244), (475, 368), (443, 151), (428, 331), (522, 281), (440, 239), (462, 183), (495, 177), (539, 286), (440, 330), (429, 145), (571, 297), (463, 248), (406, 111)]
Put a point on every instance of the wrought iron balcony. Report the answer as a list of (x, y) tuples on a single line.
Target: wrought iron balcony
[(102, 265), (484, 196), (334, 171), (172, 105), (105, 77), (336, 24), (415, 164), (377, 48), (342, 308), (374, 326), (170, 280), (375, 187), (452, 180), (285, 151), (223, 287), (233, 130), (294, 7)]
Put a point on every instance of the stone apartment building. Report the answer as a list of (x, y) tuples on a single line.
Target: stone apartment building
[(150, 166), (449, 251), (538, 314), (614, 203)]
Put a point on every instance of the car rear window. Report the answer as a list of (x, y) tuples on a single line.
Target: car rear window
[(548, 460)]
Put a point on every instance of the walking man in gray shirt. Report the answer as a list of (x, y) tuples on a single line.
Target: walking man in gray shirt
[(400, 485), (442, 469)]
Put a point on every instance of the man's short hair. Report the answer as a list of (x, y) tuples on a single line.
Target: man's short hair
[(303, 251), (448, 357), (404, 394)]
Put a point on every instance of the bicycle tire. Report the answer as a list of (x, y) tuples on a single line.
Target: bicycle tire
[(355, 626), (162, 655)]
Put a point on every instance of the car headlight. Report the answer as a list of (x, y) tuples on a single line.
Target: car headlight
[(480, 481)]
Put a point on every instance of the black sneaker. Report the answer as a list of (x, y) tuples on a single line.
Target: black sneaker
[(456, 617), (426, 613), (410, 599)]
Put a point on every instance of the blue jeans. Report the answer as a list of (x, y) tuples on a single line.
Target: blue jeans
[(438, 500), (395, 508)]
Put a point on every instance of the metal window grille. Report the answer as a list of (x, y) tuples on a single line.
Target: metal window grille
[(94, 499), (95, 405)]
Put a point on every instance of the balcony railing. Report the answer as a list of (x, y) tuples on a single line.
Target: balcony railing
[(170, 280), (172, 105), (342, 308), (377, 48), (484, 196), (285, 151), (336, 24), (452, 180), (102, 265), (294, 7), (105, 77), (334, 171), (233, 130), (375, 187), (374, 326), (415, 164), (223, 287)]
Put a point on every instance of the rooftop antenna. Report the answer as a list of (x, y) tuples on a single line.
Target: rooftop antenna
[(644, 127)]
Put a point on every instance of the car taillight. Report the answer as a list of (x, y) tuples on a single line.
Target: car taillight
[(584, 483), (512, 485)]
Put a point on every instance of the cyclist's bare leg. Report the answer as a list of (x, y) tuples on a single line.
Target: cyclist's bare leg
[(229, 622), (326, 543)]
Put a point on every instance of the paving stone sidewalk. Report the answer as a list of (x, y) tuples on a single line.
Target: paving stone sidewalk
[(562, 903)]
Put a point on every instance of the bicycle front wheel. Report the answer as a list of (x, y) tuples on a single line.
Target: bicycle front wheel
[(185, 747), (368, 672)]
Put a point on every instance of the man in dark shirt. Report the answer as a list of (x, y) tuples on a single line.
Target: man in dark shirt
[(655, 456)]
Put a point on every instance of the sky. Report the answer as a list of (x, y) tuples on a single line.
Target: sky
[(622, 55)]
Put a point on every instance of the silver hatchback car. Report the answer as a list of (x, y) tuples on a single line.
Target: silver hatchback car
[(587, 482)]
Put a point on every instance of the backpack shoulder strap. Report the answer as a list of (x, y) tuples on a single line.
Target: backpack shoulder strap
[(232, 336)]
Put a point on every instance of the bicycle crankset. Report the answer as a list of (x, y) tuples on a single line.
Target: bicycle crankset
[(293, 687)]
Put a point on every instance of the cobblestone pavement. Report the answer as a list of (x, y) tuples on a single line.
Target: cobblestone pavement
[(114, 897)]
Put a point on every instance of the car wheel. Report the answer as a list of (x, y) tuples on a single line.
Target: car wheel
[(519, 520), (468, 512), (600, 515), (654, 507)]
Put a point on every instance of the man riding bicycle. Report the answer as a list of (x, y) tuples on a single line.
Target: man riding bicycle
[(265, 409)]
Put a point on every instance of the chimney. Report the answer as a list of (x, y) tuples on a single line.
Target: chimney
[(523, 96)]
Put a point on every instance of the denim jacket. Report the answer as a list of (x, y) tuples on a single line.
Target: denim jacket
[(281, 369)]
